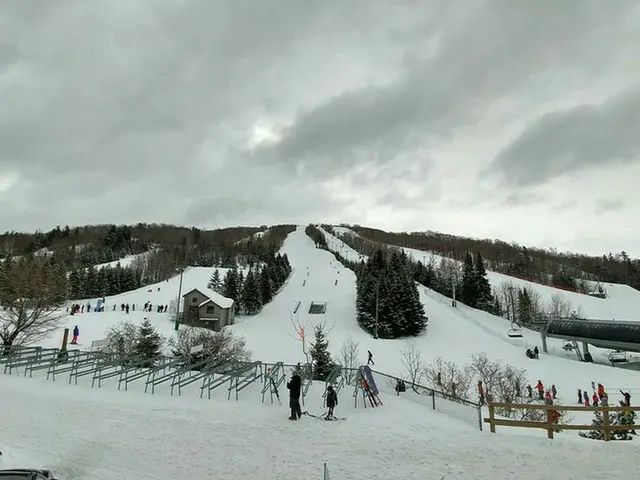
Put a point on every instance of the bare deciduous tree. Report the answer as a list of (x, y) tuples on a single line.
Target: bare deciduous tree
[(122, 339), (488, 371), (413, 362), (31, 296), (218, 347), (449, 378), (349, 358)]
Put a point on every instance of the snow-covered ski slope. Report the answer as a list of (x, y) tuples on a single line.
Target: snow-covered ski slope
[(622, 302), (104, 433)]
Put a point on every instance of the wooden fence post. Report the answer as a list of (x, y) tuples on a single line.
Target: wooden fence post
[(492, 417), (550, 421), (65, 339), (605, 424)]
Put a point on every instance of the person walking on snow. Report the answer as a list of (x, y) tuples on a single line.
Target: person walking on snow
[(76, 334), (370, 359), (294, 385), (332, 402)]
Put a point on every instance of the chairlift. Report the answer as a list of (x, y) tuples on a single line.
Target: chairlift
[(568, 346), (618, 356), (514, 331)]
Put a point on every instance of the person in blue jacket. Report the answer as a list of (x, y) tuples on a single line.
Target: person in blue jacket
[(76, 334)]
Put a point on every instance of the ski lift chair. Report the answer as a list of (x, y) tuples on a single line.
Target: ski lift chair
[(514, 332), (618, 356)]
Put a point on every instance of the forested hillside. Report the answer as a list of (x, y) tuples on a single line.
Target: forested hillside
[(160, 252), (546, 266)]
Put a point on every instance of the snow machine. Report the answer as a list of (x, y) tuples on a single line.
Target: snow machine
[(26, 474)]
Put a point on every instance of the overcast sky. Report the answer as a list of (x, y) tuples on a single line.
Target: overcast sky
[(501, 119)]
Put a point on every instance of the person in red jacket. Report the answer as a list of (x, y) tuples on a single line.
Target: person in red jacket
[(595, 399), (540, 388), (600, 391)]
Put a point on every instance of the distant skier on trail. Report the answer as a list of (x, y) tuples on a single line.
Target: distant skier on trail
[(295, 385), (370, 359), (76, 334), (332, 402)]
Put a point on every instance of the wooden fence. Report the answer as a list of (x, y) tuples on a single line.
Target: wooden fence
[(606, 428)]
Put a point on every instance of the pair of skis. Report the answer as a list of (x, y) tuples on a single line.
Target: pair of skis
[(324, 417)]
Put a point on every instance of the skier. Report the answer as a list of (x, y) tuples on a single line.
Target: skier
[(370, 359), (554, 391), (294, 385), (585, 398), (579, 396), (76, 334), (332, 402), (595, 399)]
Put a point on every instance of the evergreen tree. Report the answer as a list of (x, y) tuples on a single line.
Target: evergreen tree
[(230, 287), (266, 287), (469, 292), (215, 283), (525, 307), (322, 362), (251, 300), (148, 344), (483, 286)]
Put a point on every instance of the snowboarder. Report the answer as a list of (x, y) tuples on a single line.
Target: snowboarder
[(332, 402), (294, 385), (370, 359), (76, 334), (400, 386)]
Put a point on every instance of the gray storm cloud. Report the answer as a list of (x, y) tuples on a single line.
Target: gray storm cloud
[(142, 111)]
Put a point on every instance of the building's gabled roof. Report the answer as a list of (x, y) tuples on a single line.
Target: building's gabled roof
[(215, 297)]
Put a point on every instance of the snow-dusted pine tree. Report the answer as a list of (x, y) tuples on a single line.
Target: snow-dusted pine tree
[(251, 298), (322, 361), (148, 346), (215, 282)]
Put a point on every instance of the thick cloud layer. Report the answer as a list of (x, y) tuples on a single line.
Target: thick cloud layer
[(495, 118)]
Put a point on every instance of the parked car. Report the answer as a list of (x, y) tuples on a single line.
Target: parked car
[(26, 474)]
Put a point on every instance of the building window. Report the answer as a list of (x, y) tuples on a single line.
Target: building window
[(194, 299), (211, 309)]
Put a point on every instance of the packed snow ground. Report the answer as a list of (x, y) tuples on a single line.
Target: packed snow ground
[(103, 433), (91, 434)]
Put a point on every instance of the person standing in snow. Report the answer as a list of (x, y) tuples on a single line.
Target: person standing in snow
[(579, 396), (554, 391), (529, 391), (540, 388), (76, 334), (370, 359), (332, 402), (295, 385)]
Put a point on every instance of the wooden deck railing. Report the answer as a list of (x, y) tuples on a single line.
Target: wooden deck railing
[(606, 428)]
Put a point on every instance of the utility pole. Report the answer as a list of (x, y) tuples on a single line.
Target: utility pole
[(377, 293), (453, 288), (177, 325)]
